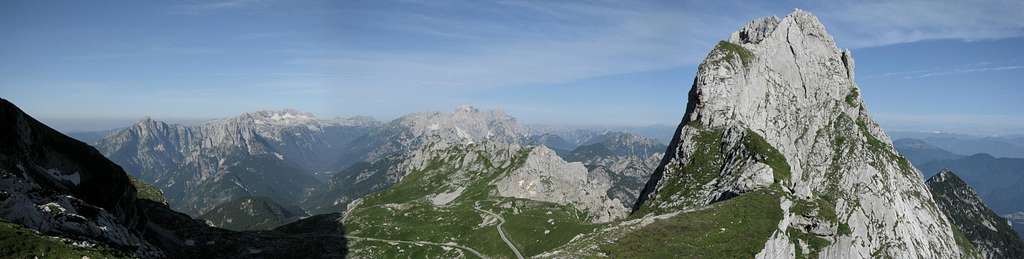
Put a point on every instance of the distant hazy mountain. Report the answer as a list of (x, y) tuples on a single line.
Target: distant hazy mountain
[(274, 154), (1003, 146), (579, 134), (989, 232), (553, 141), (91, 137), (628, 159), (1017, 219), (997, 180), (920, 152)]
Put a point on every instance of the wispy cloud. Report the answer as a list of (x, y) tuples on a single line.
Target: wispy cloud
[(197, 7), (154, 51), (559, 42), (877, 23), (542, 42), (949, 71)]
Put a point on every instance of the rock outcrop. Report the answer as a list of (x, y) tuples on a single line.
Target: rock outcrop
[(544, 176), (776, 107), (990, 233), (59, 186)]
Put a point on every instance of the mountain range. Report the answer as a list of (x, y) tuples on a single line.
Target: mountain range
[(776, 156), (999, 146), (997, 181)]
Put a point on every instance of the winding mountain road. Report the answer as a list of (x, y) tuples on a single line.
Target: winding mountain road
[(502, 232), (453, 245)]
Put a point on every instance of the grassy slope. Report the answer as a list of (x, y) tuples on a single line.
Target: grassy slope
[(147, 191), (402, 213), (19, 242), (735, 228)]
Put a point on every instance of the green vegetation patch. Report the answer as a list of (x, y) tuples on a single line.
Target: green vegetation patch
[(814, 243), (851, 98), (732, 51), (766, 153), (146, 191), (704, 166), (735, 228), (822, 208), (19, 242), (403, 212), (965, 244)]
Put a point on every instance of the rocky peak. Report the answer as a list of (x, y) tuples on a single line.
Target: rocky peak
[(149, 124), (755, 30), (357, 121), (280, 117), (946, 176), (466, 109), (914, 143), (466, 124), (983, 227), (776, 107), (544, 176)]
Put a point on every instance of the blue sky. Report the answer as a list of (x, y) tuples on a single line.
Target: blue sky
[(922, 65)]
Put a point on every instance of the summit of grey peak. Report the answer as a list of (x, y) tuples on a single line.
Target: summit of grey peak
[(466, 108), (149, 123), (755, 31), (283, 113), (947, 176), (759, 29), (777, 107), (359, 120)]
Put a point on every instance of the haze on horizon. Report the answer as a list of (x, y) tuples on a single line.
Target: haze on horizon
[(922, 65)]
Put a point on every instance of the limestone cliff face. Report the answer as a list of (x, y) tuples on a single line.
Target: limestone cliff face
[(267, 153), (776, 106), (546, 177)]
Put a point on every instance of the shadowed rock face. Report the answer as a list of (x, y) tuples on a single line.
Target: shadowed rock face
[(61, 187), (776, 106), (989, 232)]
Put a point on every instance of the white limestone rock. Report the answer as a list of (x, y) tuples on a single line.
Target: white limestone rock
[(546, 177), (786, 81)]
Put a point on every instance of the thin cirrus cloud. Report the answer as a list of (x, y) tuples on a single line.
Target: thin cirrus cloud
[(878, 23), (557, 42), (561, 42), (948, 71)]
